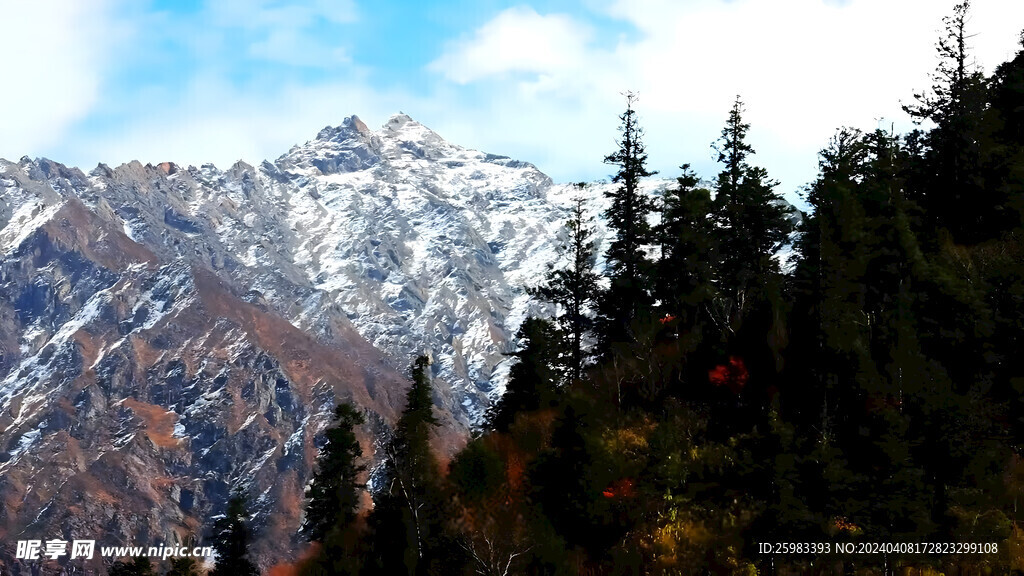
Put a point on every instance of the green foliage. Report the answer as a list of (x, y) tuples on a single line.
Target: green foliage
[(574, 288), (183, 566), (752, 224), (533, 379), (628, 299), (955, 195), (409, 520), (477, 471), (409, 450), (333, 495), (689, 253), (231, 539)]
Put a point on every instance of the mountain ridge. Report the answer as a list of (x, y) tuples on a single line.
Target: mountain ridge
[(203, 322), (169, 334)]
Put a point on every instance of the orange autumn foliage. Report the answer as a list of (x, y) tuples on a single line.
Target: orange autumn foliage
[(843, 525), (733, 375), (296, 568)]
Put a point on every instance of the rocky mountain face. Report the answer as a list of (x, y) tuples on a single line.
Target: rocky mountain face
[(170, 334)]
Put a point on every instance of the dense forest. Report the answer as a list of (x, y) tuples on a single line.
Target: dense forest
[(699, 400)]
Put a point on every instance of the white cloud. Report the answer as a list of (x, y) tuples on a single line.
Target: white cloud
[(55, 57), (540, 87), (518, 40), (281, 32), (804, 68), (165, 85)]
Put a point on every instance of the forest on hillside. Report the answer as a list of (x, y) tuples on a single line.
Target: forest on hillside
[(698, 404)]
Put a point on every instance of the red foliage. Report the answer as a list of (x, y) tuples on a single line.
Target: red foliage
[(668, 318), (621, 488), (733, 375)]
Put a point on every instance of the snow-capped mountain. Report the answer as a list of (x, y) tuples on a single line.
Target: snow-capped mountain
[(169, 334)]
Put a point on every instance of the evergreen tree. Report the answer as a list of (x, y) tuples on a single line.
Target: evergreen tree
[(408, 520), (830, 322), (890, 391), (685, 271), (183, 566), (955, 197), (568, 480), (627, 300), (411, 444), (533, 379), (574, 288), (753, 223), (231, 541), (1004, 158), (1006, 97), (333, 495)]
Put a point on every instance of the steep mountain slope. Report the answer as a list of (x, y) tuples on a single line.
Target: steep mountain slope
[(141, 392), (168, 334)]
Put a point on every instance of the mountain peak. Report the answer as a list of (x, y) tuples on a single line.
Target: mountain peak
[(399, 121), (355, 123), (403, 135), (350, 126)]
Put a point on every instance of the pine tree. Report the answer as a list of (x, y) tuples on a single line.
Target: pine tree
[(628, 299), (533, 379), (410, 510), (183, 566), (830, 290), (411, 444), (333, 495), (686, 233), (1004, 156), (753, 223), (953, 78), (231, 541), (955, 197), (574, 288)]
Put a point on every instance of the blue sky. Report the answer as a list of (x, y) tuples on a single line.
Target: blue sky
[(198, 81)]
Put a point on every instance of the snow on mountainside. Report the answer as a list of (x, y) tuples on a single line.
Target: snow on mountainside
[(426, 245), (188, 329)]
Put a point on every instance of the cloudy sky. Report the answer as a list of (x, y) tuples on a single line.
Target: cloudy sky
[(197, 81)]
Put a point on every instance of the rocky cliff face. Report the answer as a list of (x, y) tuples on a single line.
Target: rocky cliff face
[(168, 334), (137, 391)]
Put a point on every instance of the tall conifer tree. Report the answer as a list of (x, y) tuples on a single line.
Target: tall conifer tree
[(752, 221), (955, 197), (410, 510), (533, 379), (574, 288), (231, 538), (686, 234), (334, 492), (628, 298)]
